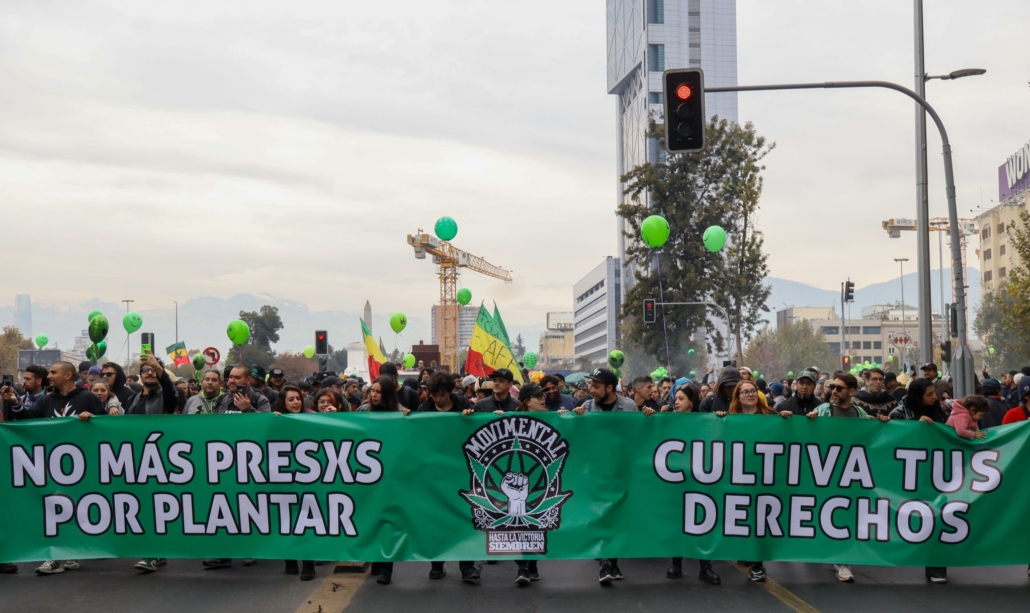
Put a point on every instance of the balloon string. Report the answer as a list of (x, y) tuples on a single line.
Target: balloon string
[(661, 296)]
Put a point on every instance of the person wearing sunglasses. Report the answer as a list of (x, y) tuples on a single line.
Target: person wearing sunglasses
[(113, 375)]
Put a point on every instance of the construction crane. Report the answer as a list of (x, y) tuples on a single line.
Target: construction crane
[(966, 227), (449, 259)]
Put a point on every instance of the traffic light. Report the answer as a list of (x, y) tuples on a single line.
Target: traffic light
[(684, 96), (849, 291), (321, 342), (847, 361), (649, 313), (946, 351)]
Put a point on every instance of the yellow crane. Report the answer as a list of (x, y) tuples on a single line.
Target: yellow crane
[(966, 227), (449, 259)]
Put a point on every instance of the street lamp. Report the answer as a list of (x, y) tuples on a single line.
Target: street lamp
[(904, 326), (922, 199)]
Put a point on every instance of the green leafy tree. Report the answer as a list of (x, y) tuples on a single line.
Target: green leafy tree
[(1015, 310), (519, 347), (264, 330), (794, 347), (719, 186), (12, 341), (337, 360)]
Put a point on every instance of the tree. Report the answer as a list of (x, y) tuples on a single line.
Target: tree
[(337, 360), (295, 366), (794, 347), (1015, 310), (12, 341), (991, 325), (264, 330), (719, 186), (519, 347)]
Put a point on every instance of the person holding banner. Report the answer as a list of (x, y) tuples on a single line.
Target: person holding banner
[(210, 393), (687, 397), (921, 404), (239, 396)]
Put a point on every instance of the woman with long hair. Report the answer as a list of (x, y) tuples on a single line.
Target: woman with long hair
[(326, 400), (531, 398), (382, 396), (921, 404), (686, 399), (108, 400), (290, 401)]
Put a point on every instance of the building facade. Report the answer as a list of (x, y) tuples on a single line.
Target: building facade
[(646, 37), (466, 324), (997, 257), (870, 338), (596, 304), (23, 314)]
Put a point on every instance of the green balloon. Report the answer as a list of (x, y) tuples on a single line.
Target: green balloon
[(98, 328), (691, 352), (132, 322), (309, 352), (654, 231), (990, 350), (409, 361), (199, 361), (93, 314), (616, 359), (714, 238), (618, 373), (42, 340), (464, 296), (91, 353), (890, 358), (101, 348), (238, 332), (398, 321), (446, 228), (693, 373), (529, 359)]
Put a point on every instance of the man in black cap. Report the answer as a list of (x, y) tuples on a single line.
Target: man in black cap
[(257, 382), (992, 391), (931, 373), (804, 400), (719, 400), (603, 397), (501, 399), (276, 379), (405, 395)]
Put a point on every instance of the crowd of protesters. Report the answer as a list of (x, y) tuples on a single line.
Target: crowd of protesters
[(83, 392)]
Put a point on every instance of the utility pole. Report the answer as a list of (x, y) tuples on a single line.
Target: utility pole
[(128, 345), (922, 201), (843, 329), (904, 321)]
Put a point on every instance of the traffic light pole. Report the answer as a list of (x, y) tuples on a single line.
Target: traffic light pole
[(963, 358)]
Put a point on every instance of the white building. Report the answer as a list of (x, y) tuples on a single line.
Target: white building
[(596, 304), (466, 325), (646, 37)]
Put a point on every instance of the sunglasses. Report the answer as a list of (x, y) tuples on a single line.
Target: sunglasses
[(837, 388), (107, 374)]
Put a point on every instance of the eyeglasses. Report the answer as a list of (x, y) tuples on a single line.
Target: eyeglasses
[(748, 393), (145, 370), (837, 388)]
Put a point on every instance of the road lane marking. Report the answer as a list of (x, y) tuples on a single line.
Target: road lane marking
[(781, 593), (333, 594)]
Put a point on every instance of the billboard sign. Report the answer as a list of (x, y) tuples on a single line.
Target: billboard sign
[(1014, 174), (41, 357)]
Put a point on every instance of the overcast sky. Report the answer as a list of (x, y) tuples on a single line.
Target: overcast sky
[(163, 151)]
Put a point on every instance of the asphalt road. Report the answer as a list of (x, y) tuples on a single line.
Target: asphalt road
[(566, 587)]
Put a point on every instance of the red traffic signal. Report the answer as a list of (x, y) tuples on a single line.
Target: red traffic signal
[(683, 91), (684, 95), (321, 342), (649, 313)]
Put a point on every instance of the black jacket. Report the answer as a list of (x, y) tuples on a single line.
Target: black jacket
[(875, 404), (715, 403), (163, 402), (56, 405), (118, 388), (258, 403), (458, 404), (490, 404), (798, 405), (997, 413)]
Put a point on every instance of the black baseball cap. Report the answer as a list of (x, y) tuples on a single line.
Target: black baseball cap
[(330, 381), (929, 366), (276, 373), (502, 373), (529, 390), (604, 377)]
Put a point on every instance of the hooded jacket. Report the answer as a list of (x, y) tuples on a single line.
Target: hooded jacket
[(715, 403), (458, 404), (800, 406), (875, 404), (258, 403), (163, 401), (997, 413), (118, 388), (57, 405), (963, 422)]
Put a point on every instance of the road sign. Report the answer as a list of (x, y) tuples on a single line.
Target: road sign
[(213, 356), (901, 340)]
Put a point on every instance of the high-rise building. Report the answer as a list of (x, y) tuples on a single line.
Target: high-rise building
[(596, 302), (466, 324), (23, 314), (646, 38)]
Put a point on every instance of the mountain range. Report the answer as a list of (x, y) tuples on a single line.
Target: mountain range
[(202, 321)]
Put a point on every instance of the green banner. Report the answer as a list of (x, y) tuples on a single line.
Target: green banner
[(446, 487)]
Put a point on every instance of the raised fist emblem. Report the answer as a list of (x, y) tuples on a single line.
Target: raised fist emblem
[(516, 487)]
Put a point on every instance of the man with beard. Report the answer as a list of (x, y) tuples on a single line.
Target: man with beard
[(804, 400), (719, 400), (210, 394), (554, 399), (875, 398), (33, 382), (158, 396)]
